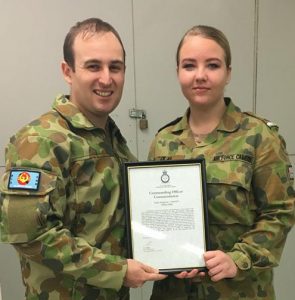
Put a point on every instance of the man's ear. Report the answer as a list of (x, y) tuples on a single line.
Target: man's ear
[(67, 72)]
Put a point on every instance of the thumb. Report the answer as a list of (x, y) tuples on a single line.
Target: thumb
[(150, 269), (209, 254)]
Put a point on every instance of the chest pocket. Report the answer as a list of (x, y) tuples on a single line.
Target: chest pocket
[(230, 197), (97, 190), (24, 212)]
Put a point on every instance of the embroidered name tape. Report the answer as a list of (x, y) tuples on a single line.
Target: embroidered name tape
[(24, 180), (229, 157)]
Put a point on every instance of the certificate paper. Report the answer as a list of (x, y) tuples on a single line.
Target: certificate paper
[(166, 213)]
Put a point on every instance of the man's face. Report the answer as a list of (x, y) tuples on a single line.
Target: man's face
[(98, 80)]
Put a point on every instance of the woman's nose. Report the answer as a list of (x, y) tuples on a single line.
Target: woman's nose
[(201, 74)]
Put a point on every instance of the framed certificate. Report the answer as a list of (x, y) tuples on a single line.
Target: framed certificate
[(166, 213)]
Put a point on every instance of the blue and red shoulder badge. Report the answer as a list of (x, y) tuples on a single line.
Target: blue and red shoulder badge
[(24, 180)]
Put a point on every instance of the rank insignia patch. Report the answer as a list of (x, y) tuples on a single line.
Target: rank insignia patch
[(24, 180), (291, 172)]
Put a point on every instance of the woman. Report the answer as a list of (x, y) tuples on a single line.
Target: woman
[(249, 181)]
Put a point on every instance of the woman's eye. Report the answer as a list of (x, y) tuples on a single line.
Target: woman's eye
[(213, 66), (188, 66)]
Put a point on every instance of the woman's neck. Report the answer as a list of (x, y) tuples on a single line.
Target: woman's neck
[(203, 120)]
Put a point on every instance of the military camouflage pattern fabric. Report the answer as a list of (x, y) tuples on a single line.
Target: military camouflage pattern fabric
[(250, 202), (69, 234)]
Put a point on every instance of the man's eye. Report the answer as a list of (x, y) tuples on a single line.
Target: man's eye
[(93, 68), (115, 68)]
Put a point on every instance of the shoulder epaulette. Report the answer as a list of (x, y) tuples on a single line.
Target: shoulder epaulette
[(268, 123), (170, 123)]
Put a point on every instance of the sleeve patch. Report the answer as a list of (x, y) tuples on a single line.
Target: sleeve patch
[(24, 180)]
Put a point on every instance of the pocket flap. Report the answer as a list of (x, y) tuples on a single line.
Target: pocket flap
[(233, 173)]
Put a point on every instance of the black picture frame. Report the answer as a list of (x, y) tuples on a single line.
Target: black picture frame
[(165, 228)]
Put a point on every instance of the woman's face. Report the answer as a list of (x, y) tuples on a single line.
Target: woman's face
[(202, 71)]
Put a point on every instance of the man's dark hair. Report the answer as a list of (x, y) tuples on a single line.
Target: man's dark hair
[(87, 27)]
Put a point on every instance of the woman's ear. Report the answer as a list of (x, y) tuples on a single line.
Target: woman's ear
[(228, 75)]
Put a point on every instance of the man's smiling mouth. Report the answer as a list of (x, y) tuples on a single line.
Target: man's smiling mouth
[(103, 93)]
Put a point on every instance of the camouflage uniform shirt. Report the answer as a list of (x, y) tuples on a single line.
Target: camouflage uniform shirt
[(250, 201), (69, 231)]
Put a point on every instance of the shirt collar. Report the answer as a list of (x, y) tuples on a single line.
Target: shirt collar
[(71, 113), (230, 121)]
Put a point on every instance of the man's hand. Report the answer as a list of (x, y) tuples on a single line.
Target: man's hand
[(138, 273), (220, 265)]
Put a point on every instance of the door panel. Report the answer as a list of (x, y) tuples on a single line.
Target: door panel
[(158, 27), (276, 66), (32, 34)]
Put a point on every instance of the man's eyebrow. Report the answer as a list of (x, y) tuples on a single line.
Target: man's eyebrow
[(117, 61), (97, 61)]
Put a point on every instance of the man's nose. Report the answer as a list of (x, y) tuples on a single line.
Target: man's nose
[(105, 77)]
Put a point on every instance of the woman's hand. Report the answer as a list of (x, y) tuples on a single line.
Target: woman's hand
[(220, 265), (189, 274)]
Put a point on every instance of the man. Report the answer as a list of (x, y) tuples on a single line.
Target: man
[(61, 195)]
